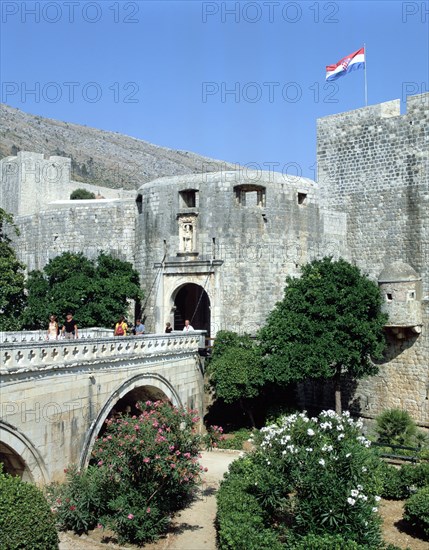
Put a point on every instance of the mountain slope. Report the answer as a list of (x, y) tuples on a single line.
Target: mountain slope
[(107, 159)]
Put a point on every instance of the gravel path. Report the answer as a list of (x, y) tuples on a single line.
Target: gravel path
[(192, 529)]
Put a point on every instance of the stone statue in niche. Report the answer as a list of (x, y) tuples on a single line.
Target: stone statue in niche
[(187, 234)]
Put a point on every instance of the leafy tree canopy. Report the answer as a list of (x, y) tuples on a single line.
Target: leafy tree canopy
[(81, 194), (328, 322), (12, 297), (96, 292), (235, 369)]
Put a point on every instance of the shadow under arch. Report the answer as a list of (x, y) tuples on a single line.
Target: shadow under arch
[(33, 468), (150, 380)]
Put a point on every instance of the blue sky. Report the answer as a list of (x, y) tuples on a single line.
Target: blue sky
[(238, 81)]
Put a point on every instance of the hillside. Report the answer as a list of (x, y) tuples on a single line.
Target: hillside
[(99, 157)]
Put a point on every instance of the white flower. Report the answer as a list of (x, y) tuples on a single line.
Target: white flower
[(348, 454), (354, 493), (340, 437), (359, 487), (310, 431), (375, 509), (351, 501), (377, 499), (364, 469), (309, 449), (322, 462)]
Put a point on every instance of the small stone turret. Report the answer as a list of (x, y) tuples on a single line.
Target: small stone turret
[(401, 288)]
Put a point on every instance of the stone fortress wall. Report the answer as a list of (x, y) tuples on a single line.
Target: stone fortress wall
[(36, 191), (373, 164), (238, 235)]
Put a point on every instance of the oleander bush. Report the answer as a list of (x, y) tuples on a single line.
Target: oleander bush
[(416, 510), (144, 468), (400, 483), (26, 521), (309, 476)]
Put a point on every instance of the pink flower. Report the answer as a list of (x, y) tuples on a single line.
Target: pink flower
[(100, 463), (99, 526), (72, 508), (130, 516), (171, 447), (137, 427), (172, 465), (148, 510), (146, 460)]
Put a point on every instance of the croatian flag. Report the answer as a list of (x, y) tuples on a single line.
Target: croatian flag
[(355, 60)]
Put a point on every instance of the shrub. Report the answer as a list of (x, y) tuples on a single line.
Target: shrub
[(145, 468), (313, 477), (396, 427), (26, 521), (326, 542), (396, 482), (334, 476), (242, 522), (416, 510), (81, 194), (236, 439), (399, 483)]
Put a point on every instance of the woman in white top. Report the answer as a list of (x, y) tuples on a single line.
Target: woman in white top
[(52, 333)]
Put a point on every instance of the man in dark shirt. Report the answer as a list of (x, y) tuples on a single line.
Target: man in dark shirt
[(70, 327)]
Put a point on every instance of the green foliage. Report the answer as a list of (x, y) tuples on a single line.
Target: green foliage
[(328, 322), (242, 523), (309, 477), (399, 483), (416, 510), (396, 483), (81, 500), (236, 439), (146, 468), (235, 369), (26, 521), (12, 297), (81, 194), (396, 427), (97, 292), (326, 542)]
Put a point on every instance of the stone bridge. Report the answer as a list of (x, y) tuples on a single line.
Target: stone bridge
[(55, 396)]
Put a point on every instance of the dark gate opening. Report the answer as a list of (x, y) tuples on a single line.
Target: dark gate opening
[(192, 302)]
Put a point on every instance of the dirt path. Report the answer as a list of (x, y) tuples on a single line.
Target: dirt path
[(192, 529)]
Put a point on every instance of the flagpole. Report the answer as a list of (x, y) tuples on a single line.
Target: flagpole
[(366, 87)]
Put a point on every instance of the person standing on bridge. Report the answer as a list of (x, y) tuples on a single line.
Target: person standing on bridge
[(188, 327), (53, 328), (70, 327), (121, 327)]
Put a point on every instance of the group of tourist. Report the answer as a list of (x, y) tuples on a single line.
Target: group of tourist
[(70, 330)]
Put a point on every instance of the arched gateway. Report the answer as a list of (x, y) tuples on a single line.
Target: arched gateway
[(191, 302)]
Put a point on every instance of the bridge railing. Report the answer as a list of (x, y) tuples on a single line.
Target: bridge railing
[(40, 335), (43, 355)]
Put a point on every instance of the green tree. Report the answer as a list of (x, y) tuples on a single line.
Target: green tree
[(81, 194), (12, 297), (328, 323), (96, 292), (235, 370)]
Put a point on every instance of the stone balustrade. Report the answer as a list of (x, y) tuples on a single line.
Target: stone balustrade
[(25, 356)]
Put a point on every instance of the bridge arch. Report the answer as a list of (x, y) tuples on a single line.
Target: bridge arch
[(19, 454), (157, 387)]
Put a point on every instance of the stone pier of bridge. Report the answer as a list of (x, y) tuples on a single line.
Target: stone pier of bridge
[(55, 396)]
